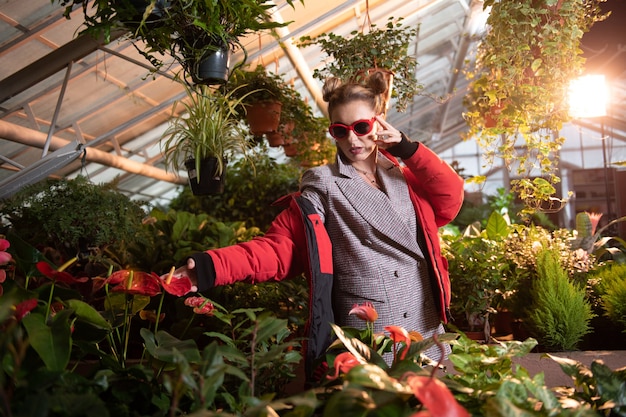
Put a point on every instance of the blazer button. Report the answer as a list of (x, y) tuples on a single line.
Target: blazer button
[(405, 315)]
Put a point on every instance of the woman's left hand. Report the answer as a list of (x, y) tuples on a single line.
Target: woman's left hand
[(386, 135)]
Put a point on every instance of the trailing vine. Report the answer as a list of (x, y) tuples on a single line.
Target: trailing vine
[(517, 101)]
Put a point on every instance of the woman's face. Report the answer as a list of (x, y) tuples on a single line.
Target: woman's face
[(354, 147)]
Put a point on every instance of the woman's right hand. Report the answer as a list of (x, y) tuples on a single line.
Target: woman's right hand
[(188, 270)]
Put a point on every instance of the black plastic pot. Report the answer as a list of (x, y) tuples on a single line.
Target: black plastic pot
[(213, 68), (208, 183)]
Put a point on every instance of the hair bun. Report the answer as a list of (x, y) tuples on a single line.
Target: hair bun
[(330, 85), (377, 82)]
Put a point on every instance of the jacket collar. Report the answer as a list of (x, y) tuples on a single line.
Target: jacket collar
[(385, 219)]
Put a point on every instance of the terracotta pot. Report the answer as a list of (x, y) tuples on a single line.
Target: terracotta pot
[(291, 149), (279, 137), (263, 117)]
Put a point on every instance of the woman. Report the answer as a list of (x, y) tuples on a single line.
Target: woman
[(363, 229)]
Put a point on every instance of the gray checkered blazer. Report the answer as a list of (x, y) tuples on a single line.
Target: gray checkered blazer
[(376, 254)]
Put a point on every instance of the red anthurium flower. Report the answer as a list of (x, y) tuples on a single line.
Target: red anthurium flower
[(399, 334), (4, 244), (135, 282), (200, 305), (178, 286), (343, 363), (436, 397), (59, 276), (365, 312), (24, 308)]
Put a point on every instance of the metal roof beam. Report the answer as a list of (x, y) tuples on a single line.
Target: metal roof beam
[(35, 138), (50, 64)]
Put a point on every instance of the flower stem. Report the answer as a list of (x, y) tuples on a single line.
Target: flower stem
[(49, 305)]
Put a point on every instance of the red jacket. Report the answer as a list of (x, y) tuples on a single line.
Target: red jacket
[(297, 243)]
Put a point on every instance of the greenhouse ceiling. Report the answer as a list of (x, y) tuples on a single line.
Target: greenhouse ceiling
[(60, 92)]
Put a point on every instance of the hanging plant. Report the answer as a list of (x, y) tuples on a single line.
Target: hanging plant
[(186, 30), (376, 48), (517, 100)]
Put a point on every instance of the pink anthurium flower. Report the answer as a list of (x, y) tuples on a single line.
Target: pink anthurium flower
[(135, 282), (5, 257), (365, 312), (436, 397), (343, 363), (200, 305)]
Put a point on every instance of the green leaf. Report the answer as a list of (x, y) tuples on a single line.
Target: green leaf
[(373, 376), (350, 402), (164, 346), (52, 343), (24, 254), (359, 349), (268, 327), (87, 313), (213, 371), (610, 385), (497, 226)]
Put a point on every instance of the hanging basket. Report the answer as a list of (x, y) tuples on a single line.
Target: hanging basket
[(263, 117), (282, 135), (208, 182)]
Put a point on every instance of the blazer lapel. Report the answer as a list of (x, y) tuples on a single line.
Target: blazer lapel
[(378, 210)]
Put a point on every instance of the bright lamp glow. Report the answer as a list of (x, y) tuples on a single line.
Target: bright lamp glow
[(588, 96)]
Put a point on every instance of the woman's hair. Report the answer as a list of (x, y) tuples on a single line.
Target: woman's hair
[(372, 91)]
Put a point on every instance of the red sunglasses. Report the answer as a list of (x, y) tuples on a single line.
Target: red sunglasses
[(360, 128)]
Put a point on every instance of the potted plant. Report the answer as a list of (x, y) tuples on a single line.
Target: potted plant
[(296, 120), (309, 144), (205, 136), (294, 113), (193, 32), (262, 94), (481, 275), (377, 49), (518, 88)]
